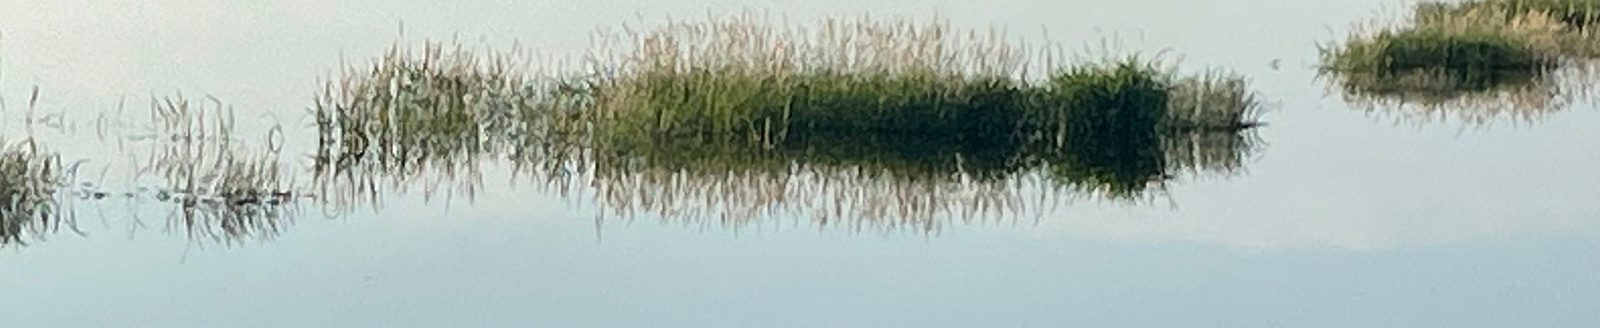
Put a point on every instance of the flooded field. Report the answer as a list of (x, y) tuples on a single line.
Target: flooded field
[(1266, 163)]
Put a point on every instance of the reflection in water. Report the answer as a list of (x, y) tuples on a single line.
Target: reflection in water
[(436, 117), (1473, 97), (897, 183), (1469, 96), (223, 192), (217, 188)]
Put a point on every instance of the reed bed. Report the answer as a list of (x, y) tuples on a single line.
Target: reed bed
[(743, 79), (29, 179), (1477, 61), (1473, 40), (1577, 14), (879, 124)]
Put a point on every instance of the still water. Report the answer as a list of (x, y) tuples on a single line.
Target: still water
[(1346, 215)]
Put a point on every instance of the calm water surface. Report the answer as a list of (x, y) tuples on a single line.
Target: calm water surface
[(1347, 217)]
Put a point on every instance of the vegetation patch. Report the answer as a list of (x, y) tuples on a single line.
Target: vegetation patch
[(29, 179), (1476, 61), (901, 108), (1577, 14), (740, 79), (1476, 40)]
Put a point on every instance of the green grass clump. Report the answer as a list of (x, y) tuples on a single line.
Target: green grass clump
[(1097, 124), (740, 79), (29, 179), (1477, 40), (890, 121), (1115, 130), (1481, 60), (1578, 14)]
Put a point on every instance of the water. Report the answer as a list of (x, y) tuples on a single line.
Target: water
[(1346, 217)]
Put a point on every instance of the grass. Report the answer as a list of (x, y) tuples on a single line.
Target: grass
[(1476, 61), (728, 112), (413, 112), (433, 110), (740, 79), (1578, 14), (1479, 40), (29, 179)]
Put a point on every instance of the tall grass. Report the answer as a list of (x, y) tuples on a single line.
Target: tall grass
[(743, 79), (1478, 39), (887, 183), (435, 109), (1578, 14), (29, 178), (889, 123), (1476, 61)]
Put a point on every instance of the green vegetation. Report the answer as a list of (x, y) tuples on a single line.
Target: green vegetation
[(741, 119), (1575, 13), (436, 110), (28, 182), (412, 110), (1477, 40), (1480, 59), (742, 80)]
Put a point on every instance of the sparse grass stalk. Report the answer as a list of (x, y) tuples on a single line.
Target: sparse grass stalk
[(224, 193)]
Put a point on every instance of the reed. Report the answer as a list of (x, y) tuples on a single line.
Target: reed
[(29, 178), (882, 124), (434, 109), (1577, 14), (885, 184), (1474, 40), (1474, 61), (746, 80)]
